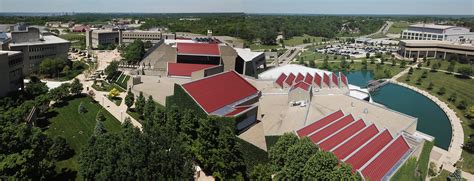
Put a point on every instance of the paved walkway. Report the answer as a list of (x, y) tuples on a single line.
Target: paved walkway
[(453, 154), (119, 112)]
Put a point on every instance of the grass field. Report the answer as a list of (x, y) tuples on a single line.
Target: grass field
[(378, 35), (65, 121), (415, 169), (398, 27), (77, 39), (464, 89), (298, 40), (263, 47), (444, 64)]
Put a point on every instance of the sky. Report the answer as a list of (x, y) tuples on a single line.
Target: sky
[(438, 7)]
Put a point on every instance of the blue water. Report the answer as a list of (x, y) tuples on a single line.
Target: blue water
[(431, 118)]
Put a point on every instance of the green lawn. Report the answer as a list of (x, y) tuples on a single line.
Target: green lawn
[(415, 169), (107, 87), (378, 35), (66, 121), (398, 27), (444, 64), (378, 72), (443, 176), (298, 40), (78, 39), (464, 89)]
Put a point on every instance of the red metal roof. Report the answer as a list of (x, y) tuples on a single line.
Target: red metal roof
[(317, 79), (326, 79), (335, 80), (305, 131), (237, 110), (325, 132), (301, 85), (185, 69), (338, 138), (362, 156), (299, 78), (343, 78), (281, 79), (219, 90), (355, 142), (289, 80), (385, 161), (308, 79), (198, 49)]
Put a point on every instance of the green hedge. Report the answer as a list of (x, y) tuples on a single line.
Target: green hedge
[(271, 140), (409, 170), (252, 155), (184, 101), (424, 159)]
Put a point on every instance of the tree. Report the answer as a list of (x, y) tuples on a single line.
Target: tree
[(312, 64), (149, 108), (277, 153), (261, 172), (432, 171), (99, 128), (129, 99), (60, 150), (147, 44), (434, 67), (134, 52), (114, 93), (430, 86), (372, 60), (452, 97), (428, 63), (364, 64), (35, 87), (111, 68), (469, 146), (367, 55), (465, 71), (320, 165), (52, 67), (326, 63), (410, 71), (403, 64), (419, 81), (81, 108), (297, 155), (394, 63), (76, 87), (462, 105), (140, 104), (301, 61), (58, 93), (450, 67), (418, 65), (441, 91), (424, 74), (100, 117)]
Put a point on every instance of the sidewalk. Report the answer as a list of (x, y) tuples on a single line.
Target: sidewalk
[(119, 112)]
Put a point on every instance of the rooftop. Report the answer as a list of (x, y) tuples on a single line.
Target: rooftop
[(432, 26), (273, 74), (185, 69), (217, 91), (49, 39), (206, 49), (247, 54), (10, 52)]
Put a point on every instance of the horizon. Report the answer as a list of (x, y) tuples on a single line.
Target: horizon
[(323, 7)]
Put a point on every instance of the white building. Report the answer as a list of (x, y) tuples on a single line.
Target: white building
[(437, 32)]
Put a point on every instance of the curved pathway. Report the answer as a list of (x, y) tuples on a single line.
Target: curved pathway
[(453, 154)]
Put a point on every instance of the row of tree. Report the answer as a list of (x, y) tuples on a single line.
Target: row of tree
[(26, 152)]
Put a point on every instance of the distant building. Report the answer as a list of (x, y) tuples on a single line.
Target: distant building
[(36, 47), (11, 71), (96, 38), (81, 28), (436, 49), (437, 32)]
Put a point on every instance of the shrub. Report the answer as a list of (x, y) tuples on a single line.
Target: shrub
[(442, 91), (82, 109), (462, 104)]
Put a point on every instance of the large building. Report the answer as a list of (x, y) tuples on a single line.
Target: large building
[(11, 71), (436, 49), (201, 52), (98, 38), (437, 32), (36, 47), (225, 94)]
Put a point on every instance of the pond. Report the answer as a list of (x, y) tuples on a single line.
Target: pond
[(431, 118)]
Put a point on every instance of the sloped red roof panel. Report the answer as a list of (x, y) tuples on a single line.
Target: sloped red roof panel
[(343, 78), (385, 161), (355, 142), (219, 90), (326, 79), (301, 85), (290, 79), (335, 80), (338, 138), (362, 156), (198, 49), (305, 131), (325, 132), (317, 79), (308, 79), (281, 79), (185, 69), (299, 78)]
